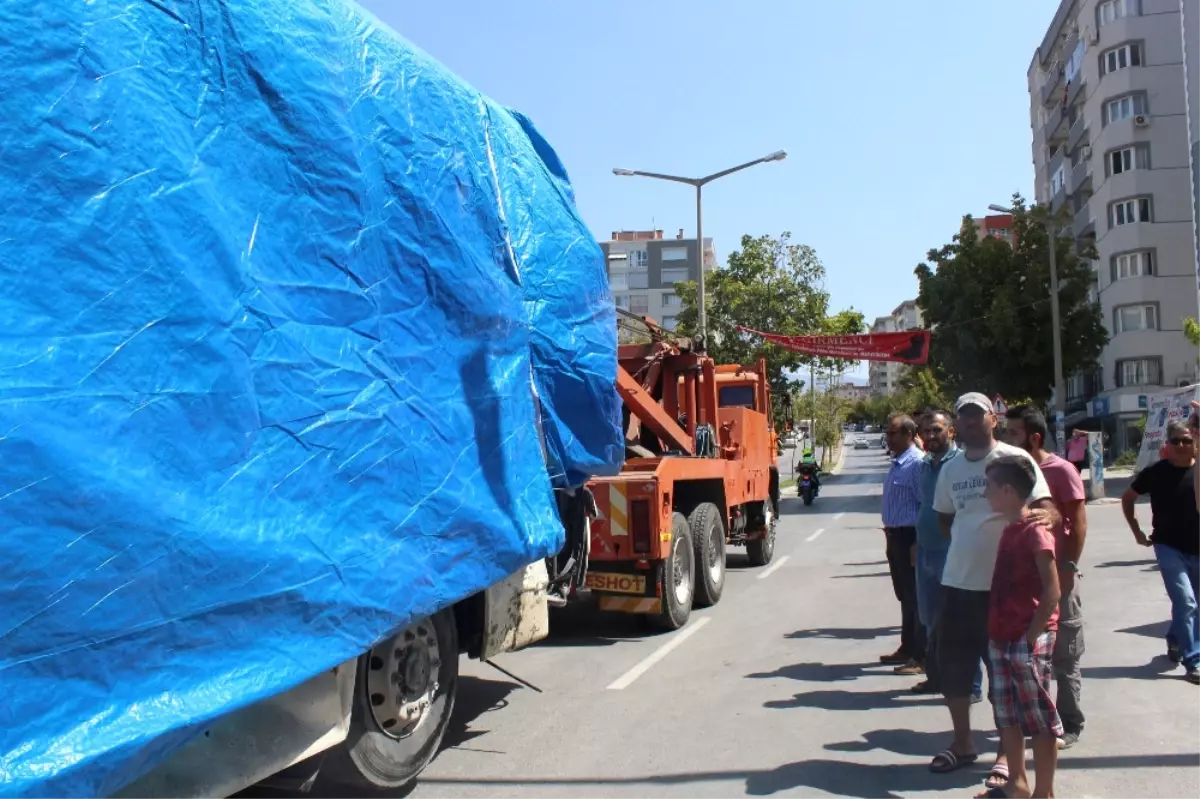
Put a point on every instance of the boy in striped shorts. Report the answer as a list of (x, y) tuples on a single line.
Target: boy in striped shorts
[(1022, 620)]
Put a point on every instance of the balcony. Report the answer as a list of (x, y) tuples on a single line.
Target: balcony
[(1078, 130), (1055, 128), (1053, 82), (1081, 177), (1076, 87), (1083, 225), (1081, 389)]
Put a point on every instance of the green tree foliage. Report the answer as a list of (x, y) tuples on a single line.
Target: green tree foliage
[(770, 285), (988, 305), (1191, 330)]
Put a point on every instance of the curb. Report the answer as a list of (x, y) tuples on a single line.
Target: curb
[(841, 462)]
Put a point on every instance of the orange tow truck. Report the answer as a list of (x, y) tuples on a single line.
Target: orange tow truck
[(701, 474)]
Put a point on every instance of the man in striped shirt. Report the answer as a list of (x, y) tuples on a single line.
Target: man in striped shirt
[(901, 503)]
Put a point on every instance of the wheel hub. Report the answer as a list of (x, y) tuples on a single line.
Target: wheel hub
[(715, 560), (681, 572), (402, 679)]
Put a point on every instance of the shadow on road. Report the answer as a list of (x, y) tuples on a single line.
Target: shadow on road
[(818, 672), (840, 777), (853, 700), (1156, 629), (476, 697), (1156, 669), (582, 624), (903, 742), (855, 576), (867, 563), (1151, 564), (846, 633)]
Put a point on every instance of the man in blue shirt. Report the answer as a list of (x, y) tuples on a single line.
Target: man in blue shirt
[(901, 504), (937, 431)]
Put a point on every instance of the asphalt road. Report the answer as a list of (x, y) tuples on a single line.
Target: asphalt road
[(776, 689)]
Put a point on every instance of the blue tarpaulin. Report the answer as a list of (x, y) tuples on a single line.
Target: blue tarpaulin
[(298, 332)]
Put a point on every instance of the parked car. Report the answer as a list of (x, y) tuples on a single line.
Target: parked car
[(861, 443)]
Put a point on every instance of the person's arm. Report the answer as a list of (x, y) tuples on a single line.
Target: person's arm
[(1050, 596), (1127, 500), (1075, 511), (1042, 509), (1194, 426), (943, 502)]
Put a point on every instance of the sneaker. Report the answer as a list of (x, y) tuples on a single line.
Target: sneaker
[(1068, 740), (1174, 653), (925, 687), (896, 657), (911, 669), (1192, 676), (976, 699)]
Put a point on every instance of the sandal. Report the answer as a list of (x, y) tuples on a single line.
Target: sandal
[(948, 760), (997, 778)]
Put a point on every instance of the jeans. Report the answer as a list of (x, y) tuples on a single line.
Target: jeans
[(930, 563), (900, 541), (1181, 573)]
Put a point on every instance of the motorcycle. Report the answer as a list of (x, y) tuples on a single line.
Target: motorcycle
[(808, 486)]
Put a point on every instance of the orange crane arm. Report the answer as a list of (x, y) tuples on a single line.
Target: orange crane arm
[(651, 414)]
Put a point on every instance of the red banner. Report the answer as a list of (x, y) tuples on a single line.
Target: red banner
[(910, 346)]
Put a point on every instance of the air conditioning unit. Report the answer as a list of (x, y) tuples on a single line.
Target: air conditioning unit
[(1141, 121), (1085, 151), (1093, 36)]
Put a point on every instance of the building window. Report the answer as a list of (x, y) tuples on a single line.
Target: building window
[(1112, 10), (621, 301), (1126, 212), (670, 300), (674, 274), (1128, 159), (639, 280), (668, 322), (639, 304), (1128, 318), (674, 253), (618, 281), (1139, 372), (1124, 107), (639, 259), (1118, 58), (1132, 264)]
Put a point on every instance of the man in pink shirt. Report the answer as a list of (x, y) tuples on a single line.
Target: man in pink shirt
[(1028, 430), (1077, 450)]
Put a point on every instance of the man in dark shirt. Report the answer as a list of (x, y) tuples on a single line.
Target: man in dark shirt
[(1175, 536)]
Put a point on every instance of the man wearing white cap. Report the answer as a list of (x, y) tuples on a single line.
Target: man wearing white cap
[(974, 531)]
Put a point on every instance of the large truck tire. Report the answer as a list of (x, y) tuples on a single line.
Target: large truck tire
[(762, 550), (404, 695), (676, 577), (708, 542)]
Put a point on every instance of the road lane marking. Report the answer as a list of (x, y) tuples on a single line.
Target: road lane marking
[(767, 572), (626, 679), (814, 536), (839, 515)]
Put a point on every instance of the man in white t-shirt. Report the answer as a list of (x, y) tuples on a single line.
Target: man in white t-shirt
[(974, 530)]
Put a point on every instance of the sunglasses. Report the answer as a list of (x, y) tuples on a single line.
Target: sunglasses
[(1180, 442)]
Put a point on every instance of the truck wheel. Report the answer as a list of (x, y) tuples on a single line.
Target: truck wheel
[(708, 541), (403, 696), (761, 550), (675, 578)]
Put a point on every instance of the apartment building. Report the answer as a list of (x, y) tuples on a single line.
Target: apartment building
[(1109, 111), (643, 268), (997, 226), (883, 377)]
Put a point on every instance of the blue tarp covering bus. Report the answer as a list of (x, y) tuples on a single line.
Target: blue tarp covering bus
[(299, 332)]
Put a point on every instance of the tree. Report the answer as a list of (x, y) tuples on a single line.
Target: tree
[(988, 305), (770, 285), (1191, 331)]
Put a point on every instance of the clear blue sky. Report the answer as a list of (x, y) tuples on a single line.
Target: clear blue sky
[(898, 118)]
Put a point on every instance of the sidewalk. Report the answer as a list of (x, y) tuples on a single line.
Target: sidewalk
[(1116, 480)]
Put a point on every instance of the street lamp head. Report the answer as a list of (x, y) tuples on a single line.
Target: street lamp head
[(1000, 209), (624, 172), (778, 155)]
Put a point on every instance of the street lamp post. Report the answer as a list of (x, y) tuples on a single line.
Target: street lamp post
[(1060, 392), (699, 183)]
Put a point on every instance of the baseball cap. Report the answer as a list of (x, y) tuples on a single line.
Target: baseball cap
[(976, 399)]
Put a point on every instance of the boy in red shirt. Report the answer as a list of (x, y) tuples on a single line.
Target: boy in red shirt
[(1022, 620)]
